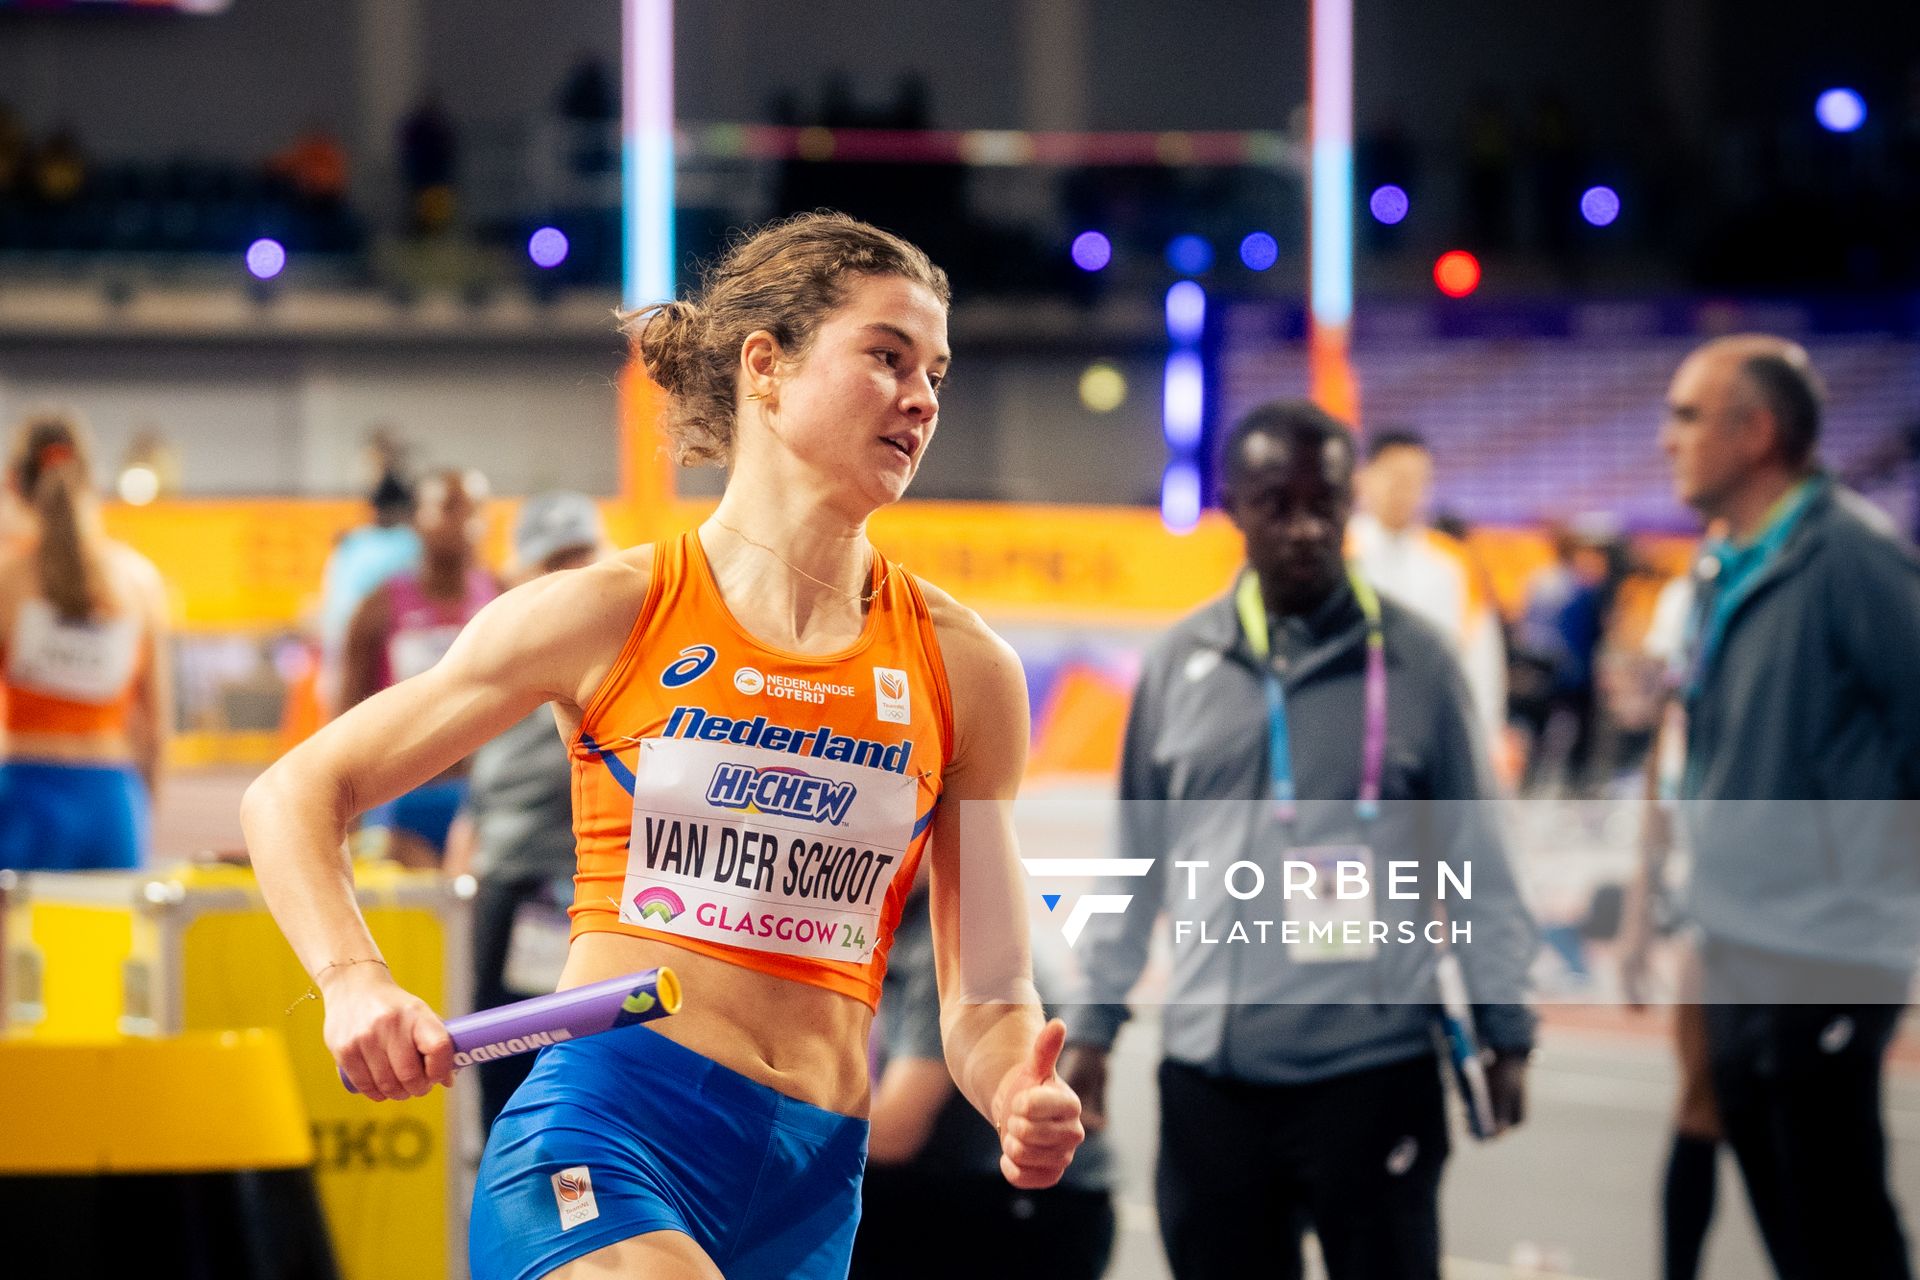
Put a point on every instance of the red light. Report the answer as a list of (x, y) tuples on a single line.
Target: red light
[(1457, 273)]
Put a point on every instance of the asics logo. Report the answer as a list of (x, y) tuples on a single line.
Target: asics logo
[(693, 662)]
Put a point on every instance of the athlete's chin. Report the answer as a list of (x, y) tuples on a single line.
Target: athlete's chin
[(887, 487)]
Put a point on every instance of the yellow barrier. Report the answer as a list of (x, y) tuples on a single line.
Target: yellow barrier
[(205, 1101), (192, 949)]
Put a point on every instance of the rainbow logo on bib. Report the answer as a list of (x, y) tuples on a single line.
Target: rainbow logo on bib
[(657, 903)]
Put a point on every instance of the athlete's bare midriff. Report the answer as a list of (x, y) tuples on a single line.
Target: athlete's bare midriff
[(70, 748), (806, 1042)]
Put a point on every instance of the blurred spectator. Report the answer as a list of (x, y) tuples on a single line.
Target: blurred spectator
[(935, 1205), (57, 173), (364, 559), (1897, 451), (589, 105), (1429, 572), (1802, 699), (315, 166), (1559, 635), (405, 626), (515, 828), (429, 165)]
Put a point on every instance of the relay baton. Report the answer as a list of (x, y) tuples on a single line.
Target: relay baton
[(1463, 1047), (527, 1025)]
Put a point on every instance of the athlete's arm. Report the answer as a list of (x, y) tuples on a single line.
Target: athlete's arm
[(555, 640), (999, 1046)]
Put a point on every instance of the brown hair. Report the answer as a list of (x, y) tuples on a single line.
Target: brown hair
[(785, 278), (50, 469)]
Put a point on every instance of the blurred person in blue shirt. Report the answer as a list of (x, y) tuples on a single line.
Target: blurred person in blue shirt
[(362, 562)]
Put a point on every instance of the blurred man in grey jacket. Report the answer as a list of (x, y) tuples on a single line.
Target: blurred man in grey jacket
[(1802, 694), (1295, 731)]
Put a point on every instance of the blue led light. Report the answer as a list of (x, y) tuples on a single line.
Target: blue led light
[(1190, 255)]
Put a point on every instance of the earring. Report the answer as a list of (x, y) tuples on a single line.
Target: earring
[(756, 395)]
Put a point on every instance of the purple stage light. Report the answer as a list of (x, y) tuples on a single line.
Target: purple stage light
[(266, 258), (1840, 110), (1091, 251), (1259, 251), (1180, 497), (1600, 206), (1186, 312), (1389, 204), (547, 247)]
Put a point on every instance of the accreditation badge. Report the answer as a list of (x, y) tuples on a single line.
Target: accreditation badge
[(1329, 928), (767, 850)]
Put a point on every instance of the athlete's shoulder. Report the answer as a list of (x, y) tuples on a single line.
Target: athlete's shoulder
[(141, 573), (964, 636), (984, 673), (607, 593), (561, 631)]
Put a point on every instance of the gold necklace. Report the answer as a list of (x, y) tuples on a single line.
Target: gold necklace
[(862, 598)]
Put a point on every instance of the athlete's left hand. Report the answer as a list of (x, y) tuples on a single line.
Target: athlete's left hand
[(1037, 1115)]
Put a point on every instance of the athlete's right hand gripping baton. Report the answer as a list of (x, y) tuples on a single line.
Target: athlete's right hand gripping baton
[(1463, 1047), (527, 1025)]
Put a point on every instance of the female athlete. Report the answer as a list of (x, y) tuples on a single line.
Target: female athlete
[(85, 667), (768, 723)]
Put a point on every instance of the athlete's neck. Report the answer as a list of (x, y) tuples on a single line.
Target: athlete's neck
[(799, 578)]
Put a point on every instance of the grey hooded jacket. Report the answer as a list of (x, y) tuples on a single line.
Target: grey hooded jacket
[(1195, 787), (1802, 800)]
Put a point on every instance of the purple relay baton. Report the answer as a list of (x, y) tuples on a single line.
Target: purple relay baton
[(527, 1025)]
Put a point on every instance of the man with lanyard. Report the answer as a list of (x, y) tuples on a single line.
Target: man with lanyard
[(1801, 681), (1296, 725)]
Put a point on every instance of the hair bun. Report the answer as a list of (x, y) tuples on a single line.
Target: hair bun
[(667, 336)]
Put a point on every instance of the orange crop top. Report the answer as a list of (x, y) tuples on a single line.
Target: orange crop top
[(762, 807), (68, 678)]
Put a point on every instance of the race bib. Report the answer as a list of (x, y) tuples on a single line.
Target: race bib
[(416, 649), (764, 849), (88, 662), (1326, 927)]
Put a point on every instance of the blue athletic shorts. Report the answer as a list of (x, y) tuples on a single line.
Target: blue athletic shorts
[(427, 812), (73, 817), (626, 1132)]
